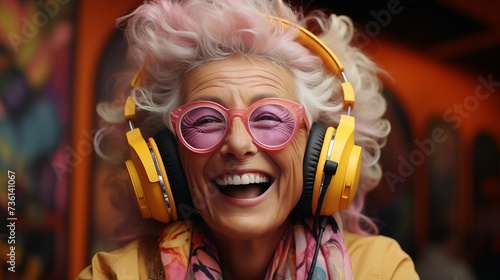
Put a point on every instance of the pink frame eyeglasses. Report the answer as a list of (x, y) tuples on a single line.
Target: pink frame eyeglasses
[(211, 114)]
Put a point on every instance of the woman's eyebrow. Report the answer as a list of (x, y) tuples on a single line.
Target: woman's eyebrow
[(264, 95), (254, 99), (215, 99)]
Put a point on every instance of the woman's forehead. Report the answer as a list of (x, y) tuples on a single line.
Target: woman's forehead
[(238, 77)]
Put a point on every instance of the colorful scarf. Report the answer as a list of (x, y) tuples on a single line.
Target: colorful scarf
[(186, 252)]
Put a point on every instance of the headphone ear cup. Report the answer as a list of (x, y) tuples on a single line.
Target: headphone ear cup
[(167, 147), (310, 164)]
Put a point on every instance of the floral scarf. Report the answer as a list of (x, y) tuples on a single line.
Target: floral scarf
[(186, 252)]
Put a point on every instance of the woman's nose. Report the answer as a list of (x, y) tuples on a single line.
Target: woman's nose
[(238, 143)]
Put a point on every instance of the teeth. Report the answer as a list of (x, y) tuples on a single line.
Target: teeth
[(236, 180), (243, 179)]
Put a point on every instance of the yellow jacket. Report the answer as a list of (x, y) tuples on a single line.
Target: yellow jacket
[(372, 257)]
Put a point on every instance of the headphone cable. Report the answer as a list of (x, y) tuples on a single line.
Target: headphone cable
[(322, 224), (330, 169)]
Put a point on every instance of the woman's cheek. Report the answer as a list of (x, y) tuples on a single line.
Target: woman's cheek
[(193, 169), (290, 162)]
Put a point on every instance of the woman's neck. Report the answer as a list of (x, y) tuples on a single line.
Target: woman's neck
[(247, 259)]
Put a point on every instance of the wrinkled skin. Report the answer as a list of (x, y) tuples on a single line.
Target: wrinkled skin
[(248, 220)]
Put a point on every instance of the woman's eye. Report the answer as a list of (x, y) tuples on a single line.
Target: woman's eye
[(206, 120), (267, 117)]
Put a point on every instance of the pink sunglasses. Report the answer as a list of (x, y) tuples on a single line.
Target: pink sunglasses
[(272, 123)]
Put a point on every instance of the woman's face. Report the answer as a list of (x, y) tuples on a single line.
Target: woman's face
[(243, 211)]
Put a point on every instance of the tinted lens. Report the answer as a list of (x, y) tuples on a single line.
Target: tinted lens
[(203, 127), (272, 124)]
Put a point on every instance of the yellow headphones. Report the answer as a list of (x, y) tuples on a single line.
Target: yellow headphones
[(331, 167)]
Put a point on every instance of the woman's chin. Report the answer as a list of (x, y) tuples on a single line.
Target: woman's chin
[(246, 227)]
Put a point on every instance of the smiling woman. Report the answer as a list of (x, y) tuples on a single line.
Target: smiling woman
[(247, 213), (243, 167)]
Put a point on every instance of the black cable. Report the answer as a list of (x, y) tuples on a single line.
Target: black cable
[(322, 224), (330, 169), (318, 208)]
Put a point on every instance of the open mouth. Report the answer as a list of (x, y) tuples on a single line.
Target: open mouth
[(248, 185)]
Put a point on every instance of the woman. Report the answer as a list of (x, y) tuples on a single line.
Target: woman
[(240, 91)]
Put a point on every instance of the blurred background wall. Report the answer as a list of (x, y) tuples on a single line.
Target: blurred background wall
[(440, 192), (36, 93)]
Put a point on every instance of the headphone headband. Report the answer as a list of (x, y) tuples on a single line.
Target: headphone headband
[(330, 60), (316, 46)]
